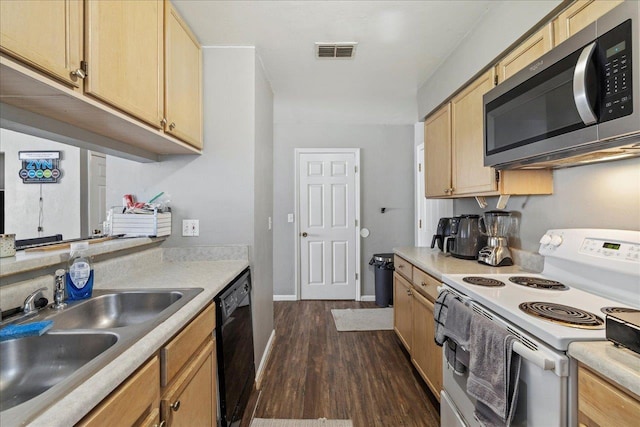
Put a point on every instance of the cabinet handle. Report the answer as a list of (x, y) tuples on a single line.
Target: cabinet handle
[(163, 423), (79, 73), (163, 122), (409, 292), (172, 126), (400, 266), (423, 284), (175, 406)]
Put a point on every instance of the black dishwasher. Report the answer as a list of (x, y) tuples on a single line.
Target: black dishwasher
[(234, 335)]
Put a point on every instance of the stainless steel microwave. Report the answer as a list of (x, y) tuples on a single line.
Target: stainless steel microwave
[(578, 103)]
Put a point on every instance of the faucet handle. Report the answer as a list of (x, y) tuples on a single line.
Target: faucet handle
[(29, 302)]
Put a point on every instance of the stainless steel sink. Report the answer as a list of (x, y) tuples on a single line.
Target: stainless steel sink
[(86, 336), (116, 310), (32, 365)]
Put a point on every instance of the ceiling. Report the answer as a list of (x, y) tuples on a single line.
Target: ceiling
[(400, 45)]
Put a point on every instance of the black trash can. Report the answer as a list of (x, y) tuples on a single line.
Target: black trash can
[(383, 265)]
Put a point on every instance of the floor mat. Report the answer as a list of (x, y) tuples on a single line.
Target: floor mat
[(363, 319)]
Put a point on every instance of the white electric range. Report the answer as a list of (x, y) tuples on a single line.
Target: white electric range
[(587, 272)]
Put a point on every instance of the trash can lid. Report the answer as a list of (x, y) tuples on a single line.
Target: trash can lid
[(383, 257)]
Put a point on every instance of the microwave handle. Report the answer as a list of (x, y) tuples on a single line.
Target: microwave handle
[(580, 95)]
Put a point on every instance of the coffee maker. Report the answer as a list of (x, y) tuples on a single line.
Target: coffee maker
[(497, 225)]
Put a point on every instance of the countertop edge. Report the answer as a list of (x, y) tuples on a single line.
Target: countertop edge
[(617, 364), (91, 392)]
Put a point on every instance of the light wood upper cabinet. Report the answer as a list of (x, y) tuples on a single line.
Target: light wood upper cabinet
[(402, 310), (579, 15), (45, 34), (183, 80), (437, 153), (125, 55), (530, 50), (426, 355), (469, 173)]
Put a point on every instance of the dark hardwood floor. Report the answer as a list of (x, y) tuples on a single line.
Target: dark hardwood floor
[(315, 371)]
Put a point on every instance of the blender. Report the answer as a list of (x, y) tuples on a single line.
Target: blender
[(497, 225)]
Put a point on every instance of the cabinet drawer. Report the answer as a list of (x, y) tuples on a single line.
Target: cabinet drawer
[(175, 354), (402, 266), (425, 284), (137, 397)]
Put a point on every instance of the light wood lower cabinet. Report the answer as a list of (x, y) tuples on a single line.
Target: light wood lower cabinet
[(176, 387), (132, 403), (402, 310), (188, 402), (601, 403), (426, 355), (414, 324)]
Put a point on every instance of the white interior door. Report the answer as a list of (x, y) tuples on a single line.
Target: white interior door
[(327, 227), (97, 191)]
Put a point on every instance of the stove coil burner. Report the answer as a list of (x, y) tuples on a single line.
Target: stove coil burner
[(613, 310), (538, 283), (483, 281), (563, 315)]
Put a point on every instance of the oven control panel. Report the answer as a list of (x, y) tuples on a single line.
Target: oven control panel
[(611, 249)]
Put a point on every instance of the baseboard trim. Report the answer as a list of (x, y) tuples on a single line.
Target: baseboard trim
[(265, 359), (367, 298), (285, 298)]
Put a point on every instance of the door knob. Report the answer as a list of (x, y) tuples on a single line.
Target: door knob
[(304, 234)]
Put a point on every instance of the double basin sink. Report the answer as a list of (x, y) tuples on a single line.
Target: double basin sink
[(86, 336)]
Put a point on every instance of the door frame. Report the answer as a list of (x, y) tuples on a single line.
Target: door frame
[(356, 153), (421, 235)]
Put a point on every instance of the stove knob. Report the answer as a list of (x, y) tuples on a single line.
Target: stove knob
[(545, 240), (556, 240)]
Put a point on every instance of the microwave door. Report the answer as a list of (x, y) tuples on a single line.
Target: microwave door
[(539, 116)]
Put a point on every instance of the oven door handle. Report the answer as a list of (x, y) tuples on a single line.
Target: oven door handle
[(580, 95), (534, 357)]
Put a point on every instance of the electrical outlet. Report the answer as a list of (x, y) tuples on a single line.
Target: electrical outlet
[(190, 227)]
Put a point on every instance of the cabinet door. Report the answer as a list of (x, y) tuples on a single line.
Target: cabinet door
[(402, 310), (437, 153), (425, 354), (124, 51), (533, 48), (191, 401), (46, 34), (183, 80), (579, 15), (132, 401), (469, 173)]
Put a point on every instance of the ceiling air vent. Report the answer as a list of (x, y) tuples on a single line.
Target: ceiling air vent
[(335, 50)]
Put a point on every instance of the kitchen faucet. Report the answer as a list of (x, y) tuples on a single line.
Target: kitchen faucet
[(29, 305)]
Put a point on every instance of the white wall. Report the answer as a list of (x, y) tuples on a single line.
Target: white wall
[(229, 187), (502, 25), (61, 201), (386, 159)]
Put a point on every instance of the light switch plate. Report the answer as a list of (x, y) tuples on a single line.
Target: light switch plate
[(190, 227), (290, 217)]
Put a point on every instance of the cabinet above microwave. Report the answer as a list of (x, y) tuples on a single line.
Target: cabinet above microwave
[(578, 103)]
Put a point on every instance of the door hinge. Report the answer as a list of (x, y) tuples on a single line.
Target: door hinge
[(495, 80), (419, 167), (85, 67), (497, 175), (356, 222), (419, 223), (356, 276), (355, 169)]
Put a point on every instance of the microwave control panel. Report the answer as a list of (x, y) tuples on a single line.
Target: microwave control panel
[(615, 49)]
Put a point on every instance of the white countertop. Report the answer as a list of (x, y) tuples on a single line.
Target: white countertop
[(618, 364), (436, 263), (213, 276)]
